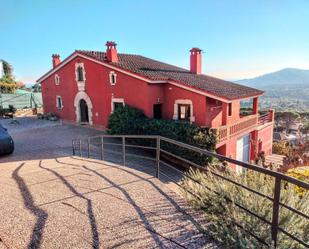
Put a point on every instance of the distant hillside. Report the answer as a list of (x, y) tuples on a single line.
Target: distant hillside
[(284, 89), (287, 76)]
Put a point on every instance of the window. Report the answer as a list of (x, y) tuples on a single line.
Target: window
[(57, 79), (59, 104), (80, 73), (117, 103), (230, 109), (184, 112), (112, 78)]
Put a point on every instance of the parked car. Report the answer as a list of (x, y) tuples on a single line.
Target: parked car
[(6, 142)]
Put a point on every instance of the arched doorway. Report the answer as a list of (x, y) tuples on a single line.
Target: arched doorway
[(83, 108)]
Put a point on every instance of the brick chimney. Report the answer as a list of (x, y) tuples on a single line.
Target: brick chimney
[(111, 52), (196, 61), (56, 60)]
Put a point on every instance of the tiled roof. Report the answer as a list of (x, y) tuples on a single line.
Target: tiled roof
[(156, 70)]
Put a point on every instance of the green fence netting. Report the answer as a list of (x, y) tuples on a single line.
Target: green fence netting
[(21, 100)]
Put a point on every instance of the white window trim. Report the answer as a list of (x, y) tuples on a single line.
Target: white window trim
[(116, 100), (80, 84), (57, 80), (183, 102), (77, 65), (59, 107), (111, 74)]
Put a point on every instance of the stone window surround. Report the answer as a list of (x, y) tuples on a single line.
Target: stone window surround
[(111, 74), (183, 102), (116, 100), (79, 96), (57, 102), (57, 80), (80, 84)]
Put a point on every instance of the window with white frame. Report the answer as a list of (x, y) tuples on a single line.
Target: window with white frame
[(117, 103), (112, 78), (59, 103), (183, 110), (57, 79), (80, 74)]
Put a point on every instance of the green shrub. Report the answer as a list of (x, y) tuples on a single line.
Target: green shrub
[(129, 120), (12, 109), (126, 120), (224, 214)]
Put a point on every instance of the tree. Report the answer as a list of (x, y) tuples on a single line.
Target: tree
[(7, 82), (305, 130), (36, 88), (278, 117), (289, 117), (282, 148), (7, 69)]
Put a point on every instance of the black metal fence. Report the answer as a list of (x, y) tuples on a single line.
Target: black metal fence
[(154, 144)]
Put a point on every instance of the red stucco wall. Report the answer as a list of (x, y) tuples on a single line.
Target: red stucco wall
[(135, 92), (266, 136), (173, 93)]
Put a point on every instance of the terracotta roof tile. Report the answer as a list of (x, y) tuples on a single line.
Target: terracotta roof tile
[(156, 70)]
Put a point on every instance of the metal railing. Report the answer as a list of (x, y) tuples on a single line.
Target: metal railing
[(157, 142)]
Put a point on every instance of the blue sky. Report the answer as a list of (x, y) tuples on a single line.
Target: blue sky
[(240, 38)]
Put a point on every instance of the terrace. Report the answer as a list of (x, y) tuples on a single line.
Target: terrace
[(244, 124)]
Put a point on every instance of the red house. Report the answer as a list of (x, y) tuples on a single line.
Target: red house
[(88, 85)]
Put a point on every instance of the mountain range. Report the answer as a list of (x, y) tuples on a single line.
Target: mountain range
[(287, 77), (286, 89)]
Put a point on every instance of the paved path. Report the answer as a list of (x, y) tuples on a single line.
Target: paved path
[(50, 199)]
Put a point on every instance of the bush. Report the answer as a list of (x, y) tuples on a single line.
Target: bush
[(40, 116), (10, 110), (282, 148), (128, 120), (224, 214), (301, 173), (51, 116)]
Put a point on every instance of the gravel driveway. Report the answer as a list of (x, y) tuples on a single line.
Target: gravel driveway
[(50, 199)]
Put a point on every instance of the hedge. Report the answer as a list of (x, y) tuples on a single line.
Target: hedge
[(128, 120)]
